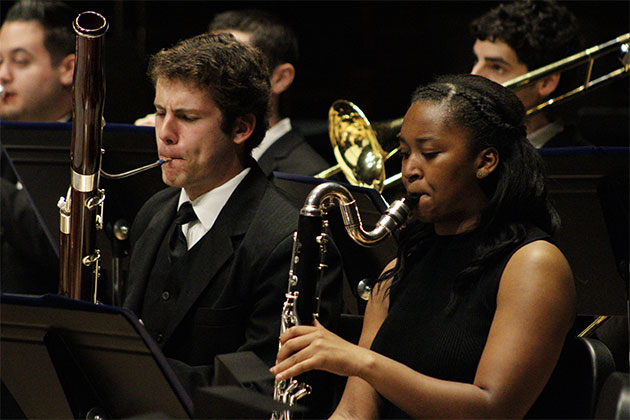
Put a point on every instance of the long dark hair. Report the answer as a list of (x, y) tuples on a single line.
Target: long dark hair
[(493, 116)]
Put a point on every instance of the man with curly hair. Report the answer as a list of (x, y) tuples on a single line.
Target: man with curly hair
[(515, 38)]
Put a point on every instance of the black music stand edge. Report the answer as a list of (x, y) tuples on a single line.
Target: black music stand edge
[(66, 335)]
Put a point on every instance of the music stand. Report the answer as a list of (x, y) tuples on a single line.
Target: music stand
[(586, 234), (64, 358), (239, 390), (40, 153)]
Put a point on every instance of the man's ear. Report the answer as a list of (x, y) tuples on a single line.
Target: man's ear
[(243, 128), (546, 85), (281, 78), (486, 162), (66, 70)]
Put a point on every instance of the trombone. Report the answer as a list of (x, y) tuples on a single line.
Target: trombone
[(359, 154), (621, 43), (361, 158)]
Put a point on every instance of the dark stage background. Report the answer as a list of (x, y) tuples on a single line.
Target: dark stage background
[(372, 53)]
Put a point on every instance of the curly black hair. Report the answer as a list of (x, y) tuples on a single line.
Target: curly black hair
[(539, 31)]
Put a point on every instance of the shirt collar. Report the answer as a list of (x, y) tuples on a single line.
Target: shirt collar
[(208, 205), (539, 137), (274, 133), (65, 118)]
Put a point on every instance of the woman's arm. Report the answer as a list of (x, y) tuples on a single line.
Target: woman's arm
[(535, 309), (359, 399)]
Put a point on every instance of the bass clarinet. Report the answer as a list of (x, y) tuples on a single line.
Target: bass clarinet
[(308, 263)]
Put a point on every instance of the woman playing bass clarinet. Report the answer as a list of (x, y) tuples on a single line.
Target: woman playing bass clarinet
[(470, 319)]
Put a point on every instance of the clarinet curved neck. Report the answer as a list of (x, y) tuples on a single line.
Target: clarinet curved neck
[(329, 193)]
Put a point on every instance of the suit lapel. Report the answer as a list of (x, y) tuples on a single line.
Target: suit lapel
[(278, 151), (145, 252), (218, 245)]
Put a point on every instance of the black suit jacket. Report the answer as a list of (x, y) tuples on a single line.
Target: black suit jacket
[(29, 261), (291, 153), (235, 286), (568, 137)]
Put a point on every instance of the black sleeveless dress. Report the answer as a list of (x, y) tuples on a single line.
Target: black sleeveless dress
[(422, 332)]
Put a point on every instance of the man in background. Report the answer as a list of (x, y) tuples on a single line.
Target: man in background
[(37, 62), (36, 71), (284, 148), (515, 38)]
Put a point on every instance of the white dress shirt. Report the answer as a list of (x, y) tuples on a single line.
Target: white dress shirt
[(281, 128), (545, 133), (207, 208)]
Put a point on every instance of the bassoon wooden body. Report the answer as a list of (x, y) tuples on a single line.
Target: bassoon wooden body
[(81, 209)]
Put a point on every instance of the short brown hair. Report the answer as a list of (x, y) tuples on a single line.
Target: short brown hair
[(231, 72)]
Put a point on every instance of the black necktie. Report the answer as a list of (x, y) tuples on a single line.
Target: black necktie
[(177, 245)]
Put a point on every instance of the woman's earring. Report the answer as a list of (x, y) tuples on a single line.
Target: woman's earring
[(480, 174)]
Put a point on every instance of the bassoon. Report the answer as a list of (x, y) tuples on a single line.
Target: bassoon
[(81, 211)]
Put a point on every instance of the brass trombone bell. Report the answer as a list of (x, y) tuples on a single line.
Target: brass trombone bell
[(357, 151)]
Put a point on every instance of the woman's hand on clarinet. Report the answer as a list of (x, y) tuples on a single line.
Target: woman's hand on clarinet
[(304, 348)]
